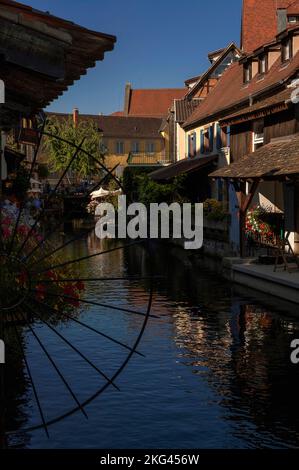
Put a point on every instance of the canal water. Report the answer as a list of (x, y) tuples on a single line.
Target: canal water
[(216, 371)]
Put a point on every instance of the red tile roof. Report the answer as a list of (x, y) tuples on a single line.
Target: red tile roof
[(184, 109), (154, 103), (230, 93), (293, 9), (204, 77), (259, 21), (267, 105)]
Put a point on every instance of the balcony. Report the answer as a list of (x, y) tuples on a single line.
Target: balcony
[(148, 159)]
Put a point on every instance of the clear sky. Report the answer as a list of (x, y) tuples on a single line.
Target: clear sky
[(159, 44)]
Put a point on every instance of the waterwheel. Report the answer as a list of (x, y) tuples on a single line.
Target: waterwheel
[(43, 318)]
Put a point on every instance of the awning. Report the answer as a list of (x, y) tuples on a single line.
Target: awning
[(278, 159), (188, 165), (269, 105)]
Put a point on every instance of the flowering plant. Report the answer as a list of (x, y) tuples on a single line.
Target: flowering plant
[(48, 285), (257, 227)]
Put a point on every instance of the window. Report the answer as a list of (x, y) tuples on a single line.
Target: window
[(287, 50), (104, 146), (247, 72), (293, 19), (219, 137), (150, 147), (258, 134), (202, 144), (135, 147), (263, 64), (120, 148), (192, 145), (228, 134), (208, 139), (211, 138)]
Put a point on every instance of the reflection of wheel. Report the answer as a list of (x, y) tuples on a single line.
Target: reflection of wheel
[(42, 293)]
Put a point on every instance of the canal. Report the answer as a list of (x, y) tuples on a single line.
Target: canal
[(216, 371)]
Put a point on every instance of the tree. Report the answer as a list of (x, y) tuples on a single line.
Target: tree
[(60, 153)]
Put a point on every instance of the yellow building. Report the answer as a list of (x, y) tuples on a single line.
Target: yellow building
[(132, 140)]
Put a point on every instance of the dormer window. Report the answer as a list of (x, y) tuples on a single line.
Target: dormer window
[(247, 72), (286, 50), (263, 64), (293, 19)]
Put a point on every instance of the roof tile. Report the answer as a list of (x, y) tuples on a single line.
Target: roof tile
[(154, 103), (230, 91)]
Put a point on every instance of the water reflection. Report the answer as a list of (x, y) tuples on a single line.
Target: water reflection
[(217, 373)]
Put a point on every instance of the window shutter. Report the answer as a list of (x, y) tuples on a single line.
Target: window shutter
[(189, 145), (219, 140), (194, 145), (202, 143), (211, 137)]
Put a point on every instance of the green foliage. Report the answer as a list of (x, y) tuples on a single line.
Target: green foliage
[(21, 183), (151, 192), (60, 153), (43, 171), (130, 180), (213, 210)]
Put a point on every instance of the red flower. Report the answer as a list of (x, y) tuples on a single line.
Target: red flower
[(69, 290), (40, 291), (7, 221), (80, 285), (6, 233), (74, 302), (23, 230), (51, 275)]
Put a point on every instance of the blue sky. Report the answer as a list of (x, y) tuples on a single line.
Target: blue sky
[(159, 44)]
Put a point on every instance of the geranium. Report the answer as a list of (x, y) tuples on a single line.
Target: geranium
[(58, 294), (256, 227), (40, 291), (6, 233)]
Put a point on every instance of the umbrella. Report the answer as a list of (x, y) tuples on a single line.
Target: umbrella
[(99, 193), (33, 181)]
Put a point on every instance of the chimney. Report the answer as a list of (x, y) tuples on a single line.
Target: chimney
[(282, 21), (75, 117), (128, 90)]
